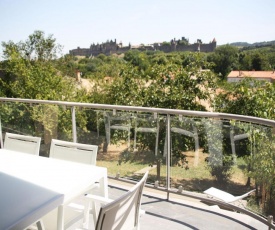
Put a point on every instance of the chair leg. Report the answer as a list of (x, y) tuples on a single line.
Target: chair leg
[(86, 213), (129, 134), (233, 145), (157, 142), (196, 162), (40, 225), (94, 210), (165, 147), (135, 140), (108, 132)]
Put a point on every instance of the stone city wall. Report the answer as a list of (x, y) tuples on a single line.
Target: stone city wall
[(113, 47)]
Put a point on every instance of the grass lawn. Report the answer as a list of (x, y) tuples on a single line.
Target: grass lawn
[(191, 177)]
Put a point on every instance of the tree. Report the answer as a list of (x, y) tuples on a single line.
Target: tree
[(160, 59), (271, 57), (163, 85), (259, 62), (257, 59), (225, 59), (36, 47), (178, 87), (126, 89), (137, 58), (248, 97), (101, 66), (255, 98), (32, 70), (244, 61)]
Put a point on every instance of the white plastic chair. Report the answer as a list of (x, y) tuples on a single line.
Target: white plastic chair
[(25, 144), (236, 137), (225, 196), (117, 121), (147, 123), (22, 143), (77, 152), (80, 153), (187, 127), (122, 213)]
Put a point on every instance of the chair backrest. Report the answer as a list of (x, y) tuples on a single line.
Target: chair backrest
[(118, 118), (237, 134), (117, 121), (184, 125), (81, 153), (22, 143), (147, 122), (123, 213)]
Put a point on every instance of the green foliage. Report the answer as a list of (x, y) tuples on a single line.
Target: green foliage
[(245, 61), (166, 43), (254, 98), (36, 47), (66, 65), (225, 59), (262, 168), (265, 171), (177, 87), (259, 62), (32, 71), (137, 59), (163, 85), (248, 97), (222, 173), (125, 89), (101, 66), (183, 42), (160, 59), (220, 162)]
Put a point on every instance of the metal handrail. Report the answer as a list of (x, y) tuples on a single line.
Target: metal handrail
[(228, 116)]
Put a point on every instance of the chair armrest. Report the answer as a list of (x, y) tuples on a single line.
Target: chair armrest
[(98, 199), (103, 200)]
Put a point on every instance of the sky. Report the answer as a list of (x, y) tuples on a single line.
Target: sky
[(80, 23)]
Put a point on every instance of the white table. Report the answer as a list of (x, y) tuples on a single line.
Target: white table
[(56, 181)]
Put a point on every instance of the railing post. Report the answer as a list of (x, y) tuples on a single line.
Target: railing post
[(74, 125), (168, 159)]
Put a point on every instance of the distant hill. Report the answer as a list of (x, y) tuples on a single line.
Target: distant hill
[(256, 44)]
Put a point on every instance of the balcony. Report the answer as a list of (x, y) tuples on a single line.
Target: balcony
[(186, 153)]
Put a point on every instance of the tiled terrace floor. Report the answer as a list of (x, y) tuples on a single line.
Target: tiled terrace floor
[(183, 213), (180, 212)]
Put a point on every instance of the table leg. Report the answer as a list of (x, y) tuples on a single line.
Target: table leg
[(60, 218), (104, 186), (86, 217)]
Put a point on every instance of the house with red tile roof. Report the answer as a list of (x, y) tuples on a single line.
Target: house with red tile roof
[(238, 75)]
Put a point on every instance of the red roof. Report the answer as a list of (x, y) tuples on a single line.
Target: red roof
[(252, 74)]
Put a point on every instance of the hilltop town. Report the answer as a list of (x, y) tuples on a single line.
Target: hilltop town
[(112, 47)]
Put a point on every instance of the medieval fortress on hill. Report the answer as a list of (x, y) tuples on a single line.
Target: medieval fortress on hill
[(112, 47)]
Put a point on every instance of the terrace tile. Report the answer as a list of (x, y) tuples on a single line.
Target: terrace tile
[(183, 212)]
